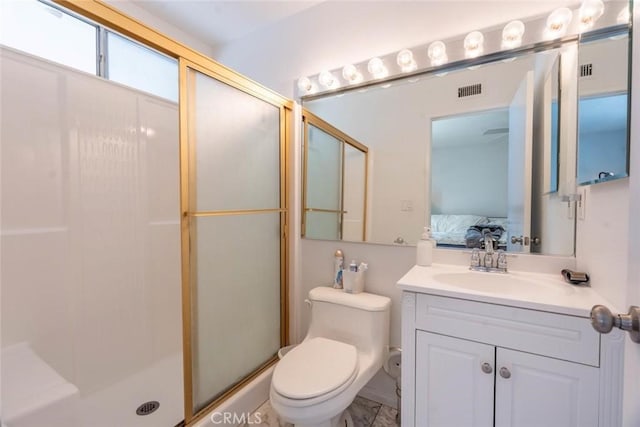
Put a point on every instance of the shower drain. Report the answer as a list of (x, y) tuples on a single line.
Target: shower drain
[(148, 407)]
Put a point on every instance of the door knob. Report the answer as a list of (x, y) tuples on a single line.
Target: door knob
[(486, 368), (505, 373), (603, 321)]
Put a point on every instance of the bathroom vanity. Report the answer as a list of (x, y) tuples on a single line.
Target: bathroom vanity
[(505, 350)]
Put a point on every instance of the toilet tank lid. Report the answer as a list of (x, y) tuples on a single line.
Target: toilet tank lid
[(362, 301)]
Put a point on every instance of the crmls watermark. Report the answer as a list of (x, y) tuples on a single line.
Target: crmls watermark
[(235, 418)]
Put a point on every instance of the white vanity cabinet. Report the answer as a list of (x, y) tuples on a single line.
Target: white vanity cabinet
[(456, 381), (470, 363)]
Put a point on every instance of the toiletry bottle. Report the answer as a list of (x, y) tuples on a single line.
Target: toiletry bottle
[(338, 266), (353, 266), (424, 249)]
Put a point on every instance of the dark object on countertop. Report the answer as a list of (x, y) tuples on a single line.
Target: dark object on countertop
[(575, 277)]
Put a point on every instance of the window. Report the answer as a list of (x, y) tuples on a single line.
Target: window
[(45, 31), (134, 65), (49, 32)]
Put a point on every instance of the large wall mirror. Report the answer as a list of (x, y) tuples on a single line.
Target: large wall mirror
[(491, 145)]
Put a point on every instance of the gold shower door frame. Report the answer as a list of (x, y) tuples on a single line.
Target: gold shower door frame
[(190, 59)]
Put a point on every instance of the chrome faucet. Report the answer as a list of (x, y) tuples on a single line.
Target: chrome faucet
[(488, 260), (488, 241)]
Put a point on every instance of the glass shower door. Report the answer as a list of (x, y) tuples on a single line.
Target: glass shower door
[(235, 217)]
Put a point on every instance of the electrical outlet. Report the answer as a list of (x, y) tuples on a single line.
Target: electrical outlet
[(406, 205)]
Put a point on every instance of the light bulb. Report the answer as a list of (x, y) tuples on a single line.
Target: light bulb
[(405, 61), (437, 52), (512, 34), (589, 12), (558, 22), (327, 80), (376, 68), (351, 74), (304, 84), (473, 44), (623, 16)]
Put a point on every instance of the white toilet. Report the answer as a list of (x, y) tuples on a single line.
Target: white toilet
[(346, 345)]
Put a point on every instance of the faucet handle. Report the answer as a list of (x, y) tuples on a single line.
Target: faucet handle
[(488, 259), (502, 259), (475, 257)]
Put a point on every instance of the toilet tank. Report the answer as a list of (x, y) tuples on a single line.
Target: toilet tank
[(358, 319)]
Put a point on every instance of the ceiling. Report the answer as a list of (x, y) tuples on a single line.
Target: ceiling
[(471, 129), (219, 22)]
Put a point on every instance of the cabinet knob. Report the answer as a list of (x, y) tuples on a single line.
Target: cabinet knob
[(603, 321), (505, 373), (487, 368)]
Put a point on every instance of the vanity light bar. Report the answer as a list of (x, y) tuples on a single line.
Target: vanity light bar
[(591, 15)]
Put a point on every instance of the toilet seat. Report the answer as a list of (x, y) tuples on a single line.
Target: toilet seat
[(315, 368)]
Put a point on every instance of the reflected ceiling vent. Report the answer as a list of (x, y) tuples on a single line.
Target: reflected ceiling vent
[(470, 90), (586, 70)]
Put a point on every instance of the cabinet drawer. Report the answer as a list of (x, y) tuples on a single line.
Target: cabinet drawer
[(548, 334)]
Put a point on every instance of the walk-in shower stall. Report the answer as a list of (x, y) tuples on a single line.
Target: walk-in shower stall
[(143, 223)]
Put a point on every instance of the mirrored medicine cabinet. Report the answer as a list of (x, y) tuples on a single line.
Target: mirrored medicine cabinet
[(502, 144)]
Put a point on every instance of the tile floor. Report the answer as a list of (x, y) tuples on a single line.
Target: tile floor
[(364, 412)]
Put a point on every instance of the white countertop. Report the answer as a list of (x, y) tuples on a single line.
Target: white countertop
[(536, 291)]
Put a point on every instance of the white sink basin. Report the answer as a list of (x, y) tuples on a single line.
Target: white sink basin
[(503, 284)]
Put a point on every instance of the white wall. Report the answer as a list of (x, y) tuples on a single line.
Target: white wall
[(631, 412), (333, 34), (479, 174)]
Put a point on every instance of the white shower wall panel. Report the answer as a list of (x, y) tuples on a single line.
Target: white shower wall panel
[(90, 235)]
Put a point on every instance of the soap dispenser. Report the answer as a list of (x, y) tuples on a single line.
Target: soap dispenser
[(424, 248)]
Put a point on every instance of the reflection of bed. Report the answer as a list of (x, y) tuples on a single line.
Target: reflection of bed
[(450, 230)]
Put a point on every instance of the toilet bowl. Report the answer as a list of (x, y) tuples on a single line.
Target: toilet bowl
[(346, 345)]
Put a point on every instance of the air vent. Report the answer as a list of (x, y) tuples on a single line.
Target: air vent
[(470, 90), (148, 407), (586, 70)]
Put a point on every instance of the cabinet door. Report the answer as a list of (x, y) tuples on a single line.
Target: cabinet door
[(541, 391), (452, 390)]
